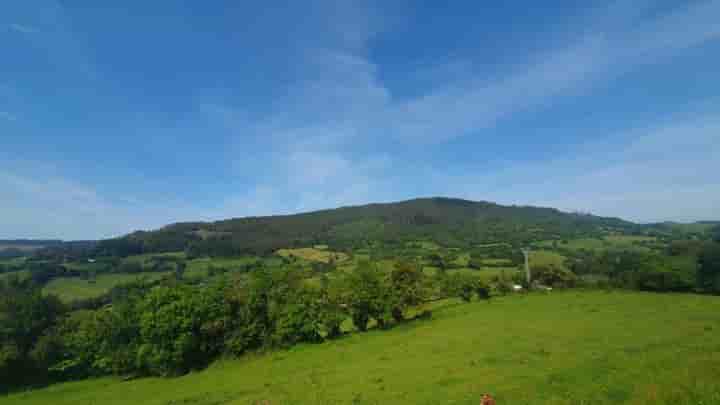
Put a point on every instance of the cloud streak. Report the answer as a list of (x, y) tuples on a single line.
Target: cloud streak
[(23, 29), (343, 85), (344, 105), (662, 174), (476, 104), (338, 134)]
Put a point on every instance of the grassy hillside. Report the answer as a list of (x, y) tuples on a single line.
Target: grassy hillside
[(560, 348)]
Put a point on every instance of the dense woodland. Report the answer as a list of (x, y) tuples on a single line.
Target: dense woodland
[(381, 263), (450, 222)]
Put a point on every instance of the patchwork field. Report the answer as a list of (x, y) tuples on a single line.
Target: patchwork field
[(72, 288), (488, 274), (607, 242), (561, 348), (314, 254)]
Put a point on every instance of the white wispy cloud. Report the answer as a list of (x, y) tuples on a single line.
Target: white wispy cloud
[(317, 147), (601, 54), (665, 173), (22, 28), (343, 105), (42, 204), (342, 83)]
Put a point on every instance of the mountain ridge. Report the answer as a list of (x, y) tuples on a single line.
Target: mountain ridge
[(448, 221)]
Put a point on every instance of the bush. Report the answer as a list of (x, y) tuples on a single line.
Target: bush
[(465, 286), (299, 320), (554, 276), (181, 328)]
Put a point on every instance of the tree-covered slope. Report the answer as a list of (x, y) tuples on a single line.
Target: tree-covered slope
[(452, 222)]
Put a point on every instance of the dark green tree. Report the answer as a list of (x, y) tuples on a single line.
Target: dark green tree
[(25, 315), (708, 272)]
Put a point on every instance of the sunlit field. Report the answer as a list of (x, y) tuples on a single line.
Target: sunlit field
[(573, 347)]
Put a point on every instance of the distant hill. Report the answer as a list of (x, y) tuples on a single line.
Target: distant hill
[(690, 229), (22, 247), (448, 221), (28, 243)]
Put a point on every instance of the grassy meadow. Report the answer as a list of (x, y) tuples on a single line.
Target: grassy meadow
[(574, 347)]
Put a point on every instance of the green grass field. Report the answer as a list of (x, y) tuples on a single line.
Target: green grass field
[(72, 288), (486, 274), (314, 255), (198, 268), (146, 259), (570, 347), (607, 242)]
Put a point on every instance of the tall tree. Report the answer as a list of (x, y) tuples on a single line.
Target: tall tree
[(407, 288), (708, 273), (25, 314)]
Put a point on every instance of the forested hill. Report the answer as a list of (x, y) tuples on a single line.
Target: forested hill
[(21, 247), (448, 221)]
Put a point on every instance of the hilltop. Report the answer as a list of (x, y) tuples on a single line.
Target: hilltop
[(448, 221)]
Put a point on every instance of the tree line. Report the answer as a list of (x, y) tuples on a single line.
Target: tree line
[(684, 266), (173, 327)]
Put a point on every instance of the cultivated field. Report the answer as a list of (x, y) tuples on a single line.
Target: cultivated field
[(570, 347)]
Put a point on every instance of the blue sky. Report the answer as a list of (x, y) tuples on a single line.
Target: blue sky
[(134, 116)]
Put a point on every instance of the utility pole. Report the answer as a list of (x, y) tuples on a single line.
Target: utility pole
[(526, 253)]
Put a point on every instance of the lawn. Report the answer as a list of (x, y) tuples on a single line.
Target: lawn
[(560, 348), (72, 288)]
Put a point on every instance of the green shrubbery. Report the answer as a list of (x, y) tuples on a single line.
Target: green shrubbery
[(175, 327), (171, 326)]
